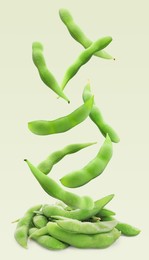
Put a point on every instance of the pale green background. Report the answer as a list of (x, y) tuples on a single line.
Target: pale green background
[(121, 91)]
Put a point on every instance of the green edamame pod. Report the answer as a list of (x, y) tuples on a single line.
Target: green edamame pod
[(84, 57), (76, 32), (83, 240), (97, 117), (46, 165), (80, 214), (62, 124), (21, 232), (47, 241), (93, 169), (53, 189), (39, 221), (76, 226), (46, 76), (38, 232), (105, 213), (127, 229)]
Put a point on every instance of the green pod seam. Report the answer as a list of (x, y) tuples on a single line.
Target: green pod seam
[(83, 240), (127, 229), (46, 76), (93, 169), (76, 226), (76, 32), (80, 214), (47, 241), (46, 165), (83, 58), (62, 124), (98, 119), (53, 189), (23, 225)]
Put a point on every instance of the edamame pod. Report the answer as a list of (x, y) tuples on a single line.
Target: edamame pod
[(105, 213), (45, 75), (127, 229), (83, 58), (46, 165), (39, 221), (21, 232), (38, 232), (80, 214), (76, 226), (53, 189), (47, 241), (76, 32), (83, 240), (97, 117), (93, 169), (62, 124)]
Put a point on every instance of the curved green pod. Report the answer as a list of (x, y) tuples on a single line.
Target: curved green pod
[(47, 241), (93, 169), (76, 226), (83, 58), (76, 32), (105, 213), (83, 240), (46, 76), (40, 221), (98, 119), (80, 214), (53, 189), (23, 225), (62, 124), (46, 165), (127, 230)]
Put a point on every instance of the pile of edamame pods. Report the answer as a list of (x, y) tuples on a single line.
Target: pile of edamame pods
[(73, 220)]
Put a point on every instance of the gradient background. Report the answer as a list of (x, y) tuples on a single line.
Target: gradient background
[(121, 91)]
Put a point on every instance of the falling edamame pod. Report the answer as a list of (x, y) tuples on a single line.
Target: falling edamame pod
[(93, 169), (46, 165), (97, 117), (46, 76), (76, 32), (62, 124), (83, 58), (53, 189)]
